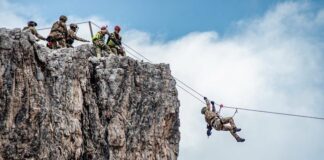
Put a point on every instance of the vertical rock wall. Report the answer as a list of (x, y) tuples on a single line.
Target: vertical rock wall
[(67, 104)]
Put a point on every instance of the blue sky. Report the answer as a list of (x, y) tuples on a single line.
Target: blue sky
[(167, 19), (265, 54)]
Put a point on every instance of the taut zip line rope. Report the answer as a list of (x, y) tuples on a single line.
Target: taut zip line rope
[(239, 108), (193, 90)]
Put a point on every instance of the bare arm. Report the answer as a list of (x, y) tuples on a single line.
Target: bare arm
[(72, 35), (81, 39), (34, 31)]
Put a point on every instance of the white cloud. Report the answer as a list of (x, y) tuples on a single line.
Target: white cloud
[(273, 62), (8, 17)]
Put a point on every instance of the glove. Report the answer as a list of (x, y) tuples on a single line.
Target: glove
[(212, 102), (221, 106), (205, 98)]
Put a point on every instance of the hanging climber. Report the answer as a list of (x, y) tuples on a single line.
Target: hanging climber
[(58, 34), (114, 42), (214, 120), (31, 26), (98, 41), (72, 36)]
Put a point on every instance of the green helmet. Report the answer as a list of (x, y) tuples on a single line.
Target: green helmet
[(63, 18), (203, 110)]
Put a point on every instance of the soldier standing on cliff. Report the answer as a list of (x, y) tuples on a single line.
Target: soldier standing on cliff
[(58, 34), (72, 36), (31, 26), (219, 123)]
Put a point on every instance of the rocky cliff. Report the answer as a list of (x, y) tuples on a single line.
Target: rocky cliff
[(68, 104)]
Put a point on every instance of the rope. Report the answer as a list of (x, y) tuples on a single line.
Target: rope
[(277, 113), (191, 94), (193, 90), (68, 24), (95, 24), (229, 107), (128, 52), (176, 84), (174, 77), (136, 52)]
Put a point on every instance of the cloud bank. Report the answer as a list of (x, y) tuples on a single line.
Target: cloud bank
[(273, 62)]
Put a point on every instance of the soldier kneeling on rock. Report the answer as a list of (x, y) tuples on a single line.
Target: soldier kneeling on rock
[(98, 41), (115, 42)]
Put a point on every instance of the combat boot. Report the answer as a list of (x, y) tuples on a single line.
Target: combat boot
[(240, 139), (237, 129)]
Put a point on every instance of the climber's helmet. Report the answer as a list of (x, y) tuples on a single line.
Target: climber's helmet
[(104, 29), (63, 18), (32, 24), (117, 29), (73, 26)]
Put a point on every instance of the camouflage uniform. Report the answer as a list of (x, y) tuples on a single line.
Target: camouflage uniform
[(71, 37), (58, 35), (98, 41), (219, 123), (114, 43), (33, 30)]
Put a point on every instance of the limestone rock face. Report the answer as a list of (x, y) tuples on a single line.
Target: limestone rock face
[(68, 104)]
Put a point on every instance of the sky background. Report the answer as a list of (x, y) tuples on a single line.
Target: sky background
[(264, 55)]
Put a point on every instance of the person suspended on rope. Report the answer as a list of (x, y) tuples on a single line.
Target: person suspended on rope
[(214, 120), (98, 41), (58, 34), (31, 27), (72, 36), (114, 42)]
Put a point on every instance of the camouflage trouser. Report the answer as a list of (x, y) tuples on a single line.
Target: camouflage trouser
[(101, 46), (113, 50), (69, 43), (58, 40), (225, 124), (229, 125), (117, 51), (61, 43)]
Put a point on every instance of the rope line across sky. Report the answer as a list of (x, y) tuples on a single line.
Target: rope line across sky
[(192, 91)]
